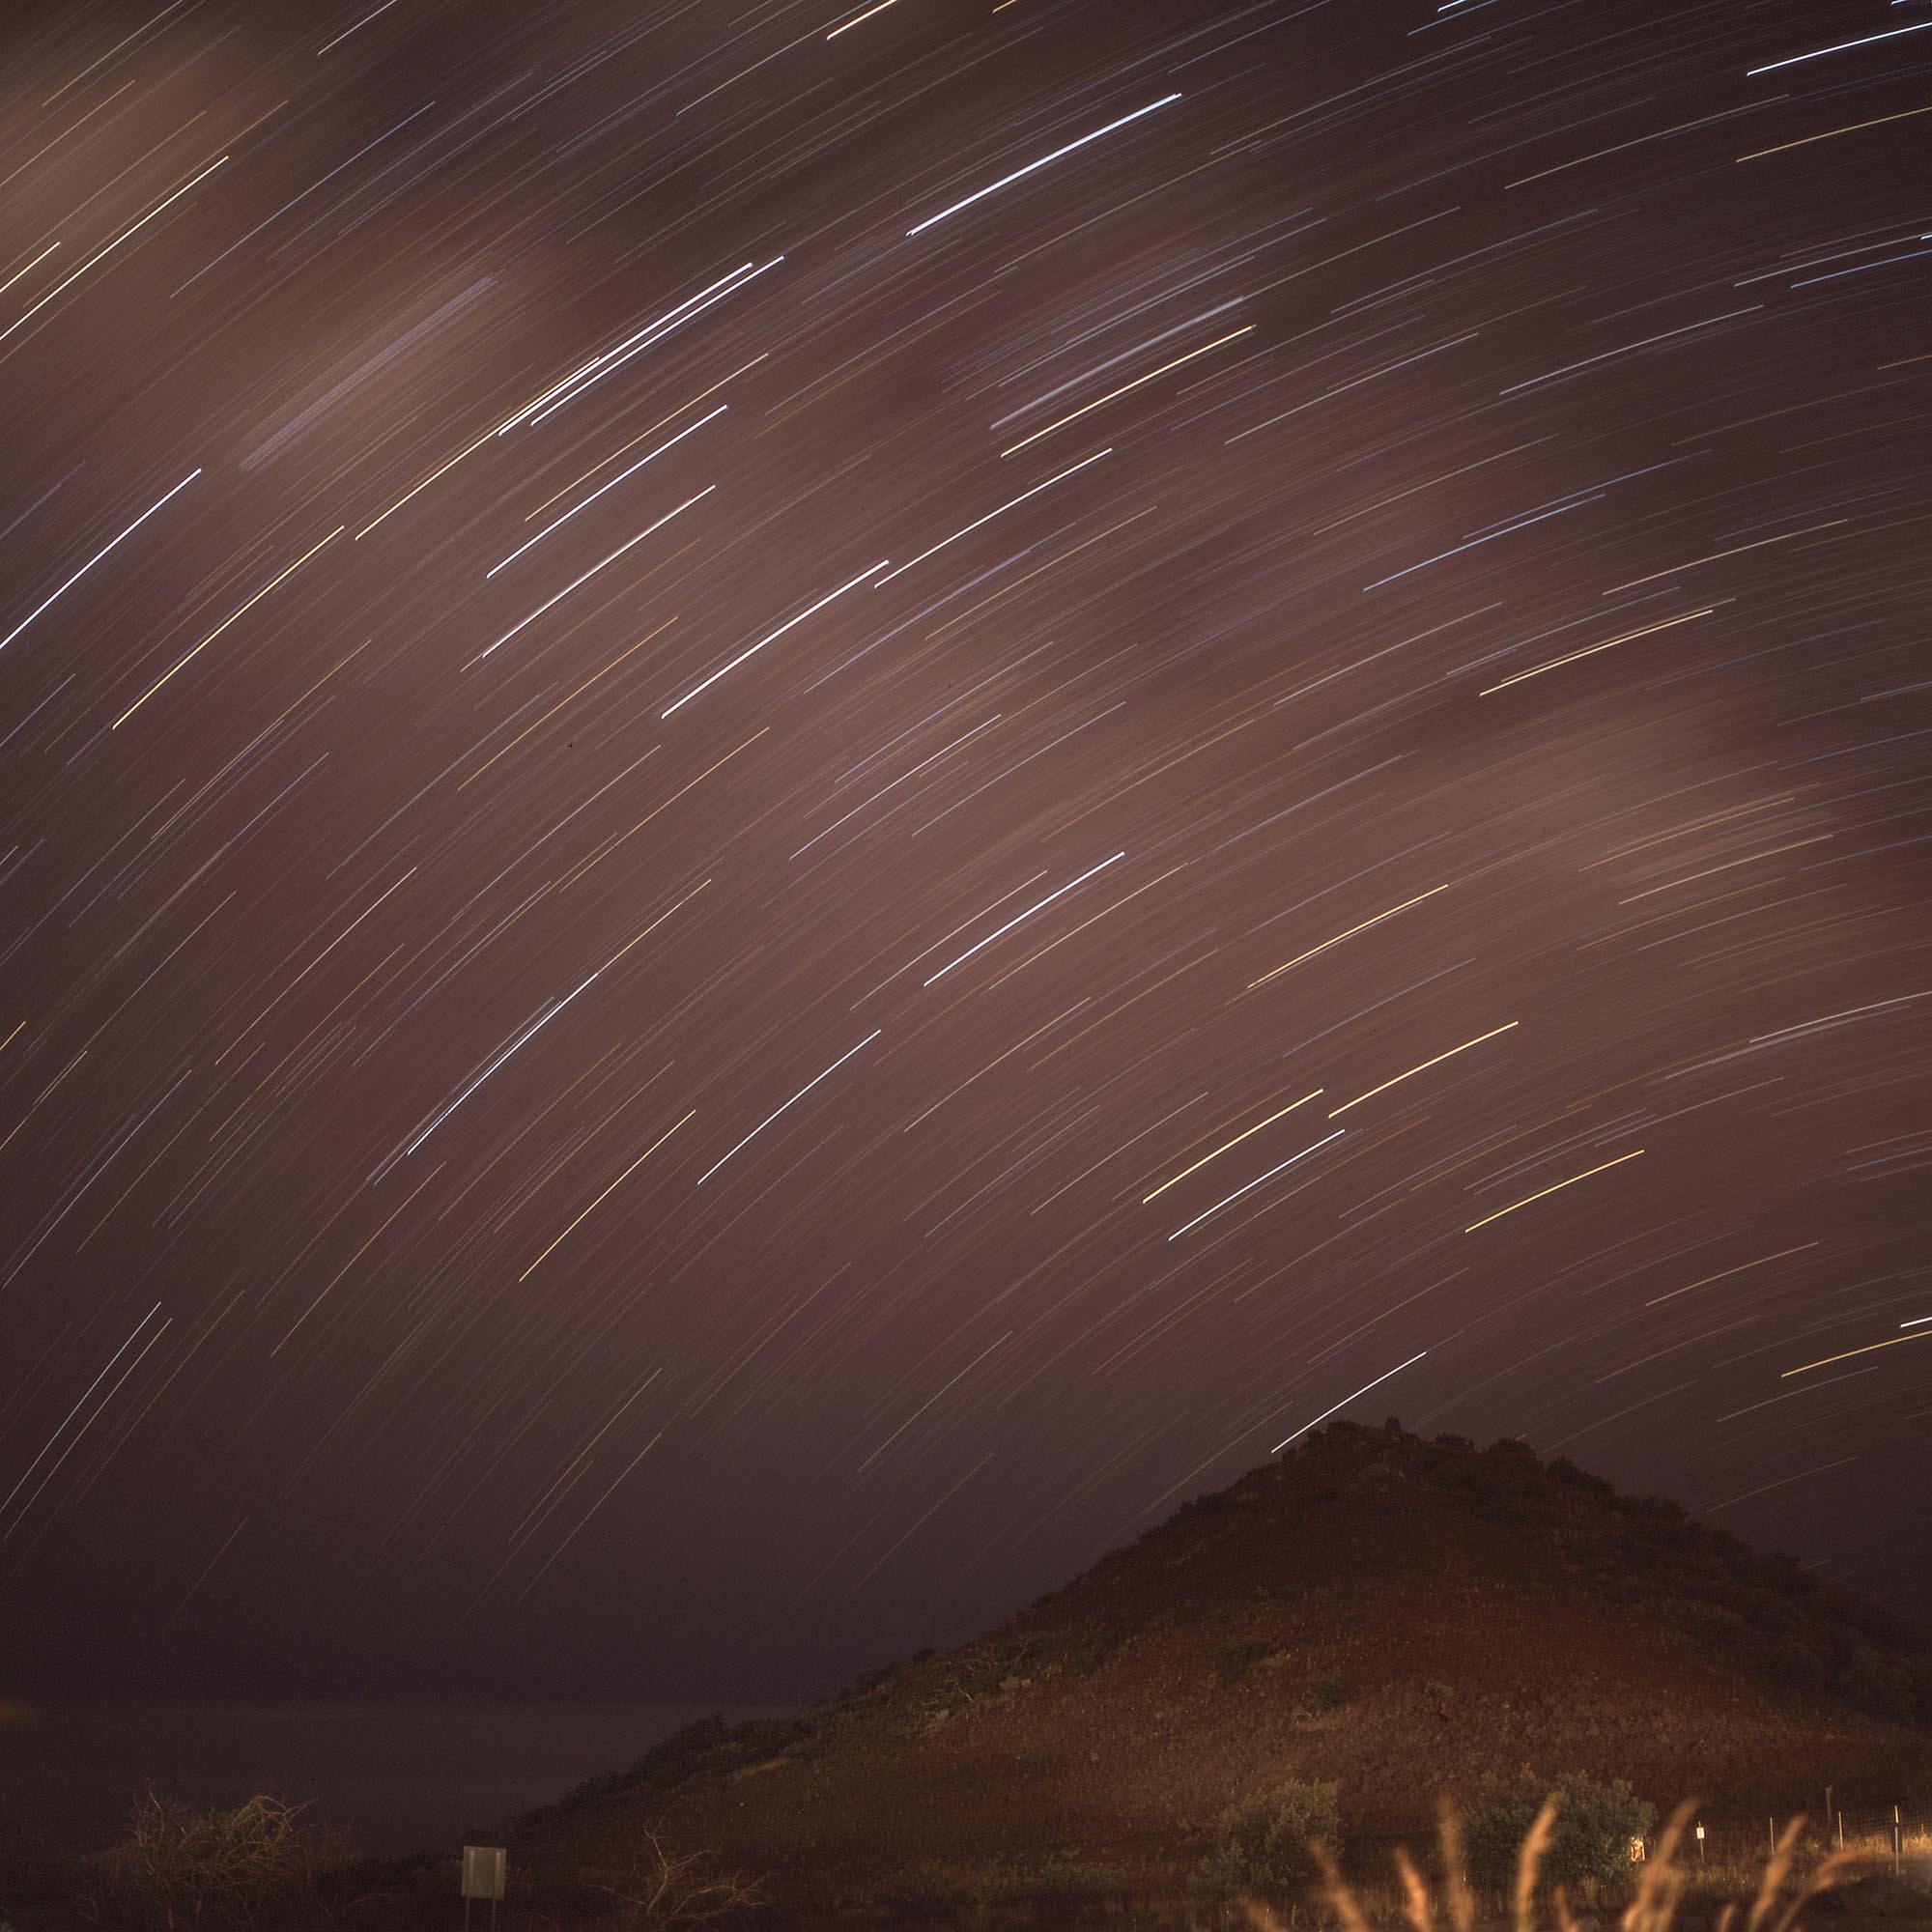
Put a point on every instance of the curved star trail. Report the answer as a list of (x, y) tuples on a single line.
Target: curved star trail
[(800, 802)]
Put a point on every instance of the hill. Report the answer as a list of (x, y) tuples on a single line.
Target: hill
[(1398, 1615)]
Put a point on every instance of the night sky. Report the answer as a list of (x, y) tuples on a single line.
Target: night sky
[(797, 804)]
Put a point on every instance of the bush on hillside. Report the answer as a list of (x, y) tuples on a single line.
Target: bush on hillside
[(1789, 1663), (711, 1746), (660, 1890), (1237, 1659), (1268, 1844), (1594, 1824), (180, 1866), (669, 1762), (1880, 1684), (1325, 1695)]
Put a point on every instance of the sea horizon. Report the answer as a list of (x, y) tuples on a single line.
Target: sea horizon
[(397, 1775)]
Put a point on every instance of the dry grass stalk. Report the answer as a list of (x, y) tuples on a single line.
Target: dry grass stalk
[(1654, 1909), (1774, 1868), (1454, 1874), (1654, 1905), (1535, 1843), (1259, 1916), (1415, 1906), (1820, 1878), (1339, 1895)]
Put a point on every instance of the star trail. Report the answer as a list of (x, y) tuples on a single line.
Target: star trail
[(800, 801)]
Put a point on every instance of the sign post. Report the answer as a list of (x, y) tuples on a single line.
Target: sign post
[(482, 1878)]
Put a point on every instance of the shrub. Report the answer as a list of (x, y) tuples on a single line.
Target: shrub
[(1722, 1629), (662, 1889), (1237, 1659), (1567, 1472), (180, 1866), (1060, 1884), (1922, 1688), (1070, 1879), (1791, 1662), (1594, 1824), (1438, 1694), (710, 1746), (1268, 1844), (1326, 1693), (669, 1762), (1878, 1683), (1089, 1657)]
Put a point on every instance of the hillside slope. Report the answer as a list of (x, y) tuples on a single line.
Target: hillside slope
[(1398, 1615)]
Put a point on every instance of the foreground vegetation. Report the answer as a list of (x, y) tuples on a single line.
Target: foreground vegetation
[(1525, 1854)]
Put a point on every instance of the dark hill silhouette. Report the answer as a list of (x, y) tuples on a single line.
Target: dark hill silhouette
[(1398, 1615)]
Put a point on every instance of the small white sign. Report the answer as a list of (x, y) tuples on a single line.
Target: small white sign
[(483, 1871)]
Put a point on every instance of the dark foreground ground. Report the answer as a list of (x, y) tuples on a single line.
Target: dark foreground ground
[(42, 1891)]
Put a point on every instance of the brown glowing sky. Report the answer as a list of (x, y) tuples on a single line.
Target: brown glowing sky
[(798, 802)]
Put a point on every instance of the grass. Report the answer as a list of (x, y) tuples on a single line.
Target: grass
[(1660, 1890)]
